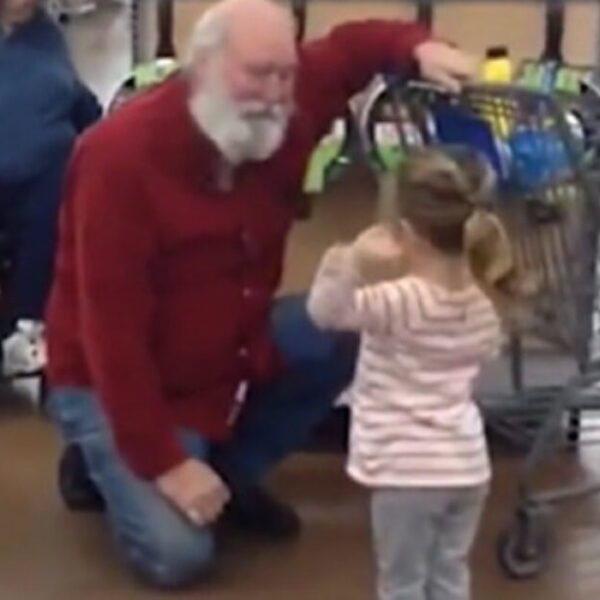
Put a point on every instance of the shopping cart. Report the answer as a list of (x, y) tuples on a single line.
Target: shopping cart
[(548, 199)]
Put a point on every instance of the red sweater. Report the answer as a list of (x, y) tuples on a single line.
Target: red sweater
[(163, 282)]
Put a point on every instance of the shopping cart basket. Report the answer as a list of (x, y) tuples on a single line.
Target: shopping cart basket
[(548, 199)]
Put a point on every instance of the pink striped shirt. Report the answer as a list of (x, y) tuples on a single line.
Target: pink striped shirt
[(414, 421)]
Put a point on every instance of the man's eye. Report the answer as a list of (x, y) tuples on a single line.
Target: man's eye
[(267, 72)]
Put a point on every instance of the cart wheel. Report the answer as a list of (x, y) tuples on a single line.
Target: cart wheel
[(574, 430), (524, 549)]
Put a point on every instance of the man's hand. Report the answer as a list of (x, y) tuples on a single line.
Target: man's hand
[(444, 65), (196, 490)]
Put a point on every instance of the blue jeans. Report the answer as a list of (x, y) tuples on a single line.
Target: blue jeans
[(153, 538)]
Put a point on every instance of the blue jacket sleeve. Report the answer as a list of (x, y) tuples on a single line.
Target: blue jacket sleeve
[(86, 109), (43, 103)]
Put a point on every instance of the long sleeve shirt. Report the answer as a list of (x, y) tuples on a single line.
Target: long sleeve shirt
[(414, 421)]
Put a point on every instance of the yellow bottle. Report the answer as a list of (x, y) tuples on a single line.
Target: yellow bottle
[(497, 69)]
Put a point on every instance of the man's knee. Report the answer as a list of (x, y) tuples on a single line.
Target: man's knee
[(174, 559)]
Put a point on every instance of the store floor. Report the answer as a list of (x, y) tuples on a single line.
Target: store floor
[(49, 554)]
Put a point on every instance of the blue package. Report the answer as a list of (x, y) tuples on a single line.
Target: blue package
[(454, 125), (537, 157)]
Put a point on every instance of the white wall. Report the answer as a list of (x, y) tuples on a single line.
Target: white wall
[(101, 44)]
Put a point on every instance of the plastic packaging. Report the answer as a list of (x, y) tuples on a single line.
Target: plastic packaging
[(497, 67)]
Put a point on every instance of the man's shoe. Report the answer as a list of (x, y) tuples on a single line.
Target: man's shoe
[(258, 513), (77, 490)]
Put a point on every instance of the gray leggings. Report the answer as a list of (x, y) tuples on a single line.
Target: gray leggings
[(423, 539)]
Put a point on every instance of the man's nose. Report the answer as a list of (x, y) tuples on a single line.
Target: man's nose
[(275, 90)]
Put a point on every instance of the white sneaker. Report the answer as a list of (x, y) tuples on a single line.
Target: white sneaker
[(30, 389), (24, 351)]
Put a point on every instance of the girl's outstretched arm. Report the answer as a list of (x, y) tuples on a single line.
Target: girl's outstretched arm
[(338, 301)]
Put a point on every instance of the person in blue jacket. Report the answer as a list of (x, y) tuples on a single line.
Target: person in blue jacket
[(43, 108)]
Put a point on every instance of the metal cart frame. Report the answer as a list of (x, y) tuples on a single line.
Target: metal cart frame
[(555, 227)]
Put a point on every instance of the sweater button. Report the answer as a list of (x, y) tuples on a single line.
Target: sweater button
[(243, 352), (249, 243), (247, 293)]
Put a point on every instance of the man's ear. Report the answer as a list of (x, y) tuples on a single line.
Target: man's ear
[(199, 66), (197, 69)]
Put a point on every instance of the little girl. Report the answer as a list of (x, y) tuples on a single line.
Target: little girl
[(417, 438)]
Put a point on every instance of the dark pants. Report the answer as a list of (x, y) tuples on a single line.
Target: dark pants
[(157, 541), (28, 218)]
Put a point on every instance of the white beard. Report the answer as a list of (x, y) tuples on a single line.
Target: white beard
[(248, 131)]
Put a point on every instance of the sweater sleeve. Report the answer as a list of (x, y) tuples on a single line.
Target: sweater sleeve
[(336, 67), (86, 109), (115, 243), (337, 301)]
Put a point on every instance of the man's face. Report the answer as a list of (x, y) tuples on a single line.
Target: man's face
[(245, 95), (260, 72)]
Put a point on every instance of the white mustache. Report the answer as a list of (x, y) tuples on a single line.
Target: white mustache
[(242, 130), (264, 112)]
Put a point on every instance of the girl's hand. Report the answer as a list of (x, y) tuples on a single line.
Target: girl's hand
[(377, 240), (377, 254)]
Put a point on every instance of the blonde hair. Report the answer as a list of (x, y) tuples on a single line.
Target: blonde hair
[(446, 195)]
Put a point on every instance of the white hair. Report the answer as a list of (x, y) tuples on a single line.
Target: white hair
[(210, 31), (209, 35)]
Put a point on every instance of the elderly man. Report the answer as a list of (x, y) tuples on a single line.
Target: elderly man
[(170, 364)]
